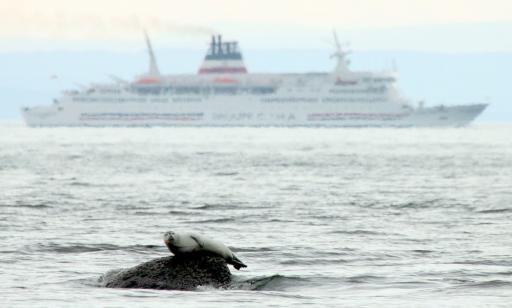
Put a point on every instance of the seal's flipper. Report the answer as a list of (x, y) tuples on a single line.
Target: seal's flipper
[(197, 241), (237, 263)]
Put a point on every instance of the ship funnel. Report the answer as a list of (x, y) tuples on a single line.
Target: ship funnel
[(223, 58), (153, 67)]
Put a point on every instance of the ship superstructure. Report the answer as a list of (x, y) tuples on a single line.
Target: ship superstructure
[(224, 93)]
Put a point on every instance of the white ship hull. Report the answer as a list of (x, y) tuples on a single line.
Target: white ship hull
[(234, 113)]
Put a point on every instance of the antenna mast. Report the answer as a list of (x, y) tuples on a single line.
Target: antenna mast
[(153, 67), (340, 55)]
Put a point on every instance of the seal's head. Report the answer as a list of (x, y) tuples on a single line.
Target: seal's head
[(169, 237)]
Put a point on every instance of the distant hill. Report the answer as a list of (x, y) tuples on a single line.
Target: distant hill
[(32, 78)]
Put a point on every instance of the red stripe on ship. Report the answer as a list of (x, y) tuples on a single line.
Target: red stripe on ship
[(340, 116), (225, 80), (221, 70), (148, 80)]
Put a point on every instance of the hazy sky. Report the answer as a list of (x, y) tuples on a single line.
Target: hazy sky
[(446, 25)]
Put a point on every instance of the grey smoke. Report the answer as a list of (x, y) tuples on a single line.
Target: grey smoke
[(92, 27)]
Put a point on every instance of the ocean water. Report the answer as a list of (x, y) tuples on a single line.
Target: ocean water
[(322, 217)]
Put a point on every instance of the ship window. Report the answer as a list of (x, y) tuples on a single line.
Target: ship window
[(226, 90), (262, 90), (187, 90)]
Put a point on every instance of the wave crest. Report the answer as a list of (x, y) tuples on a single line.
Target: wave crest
[(274, 283)]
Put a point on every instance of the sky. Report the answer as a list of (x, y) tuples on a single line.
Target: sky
[(442, 25)]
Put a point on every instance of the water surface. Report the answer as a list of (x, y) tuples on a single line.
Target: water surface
[(322, 217)]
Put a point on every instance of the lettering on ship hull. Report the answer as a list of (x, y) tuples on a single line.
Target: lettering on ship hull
[(341, 116), (180, 117)]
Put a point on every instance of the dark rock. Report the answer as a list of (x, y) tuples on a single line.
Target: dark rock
[(184, 272)]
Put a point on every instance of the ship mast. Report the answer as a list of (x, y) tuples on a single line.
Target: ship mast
[(340, 55), (153, 67)]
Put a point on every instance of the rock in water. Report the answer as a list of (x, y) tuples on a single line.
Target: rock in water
[(184, 272)]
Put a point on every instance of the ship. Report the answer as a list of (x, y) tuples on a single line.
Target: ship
[(223, 93)]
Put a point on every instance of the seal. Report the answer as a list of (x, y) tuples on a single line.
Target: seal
[(181, 243)]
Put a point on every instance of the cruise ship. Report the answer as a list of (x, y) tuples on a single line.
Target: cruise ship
[(224, 93)]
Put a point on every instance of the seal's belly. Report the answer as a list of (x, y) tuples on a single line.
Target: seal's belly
[(184, 249)]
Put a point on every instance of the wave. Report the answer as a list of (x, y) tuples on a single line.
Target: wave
[(357, 232), (81, 248), (82, 184), (215, 220), (255, 249), (216, 206), (267, 283), (28, 205), (280, 220), (423, 251), (208, 153), (435, 203), (317, 261), (74, 156), (208, 206), (107, 277), (226, 173), (363, 278), (495, 211), (148, 213), (264, 283), (489, 284), (485, 262), (291, 188), (180, 213)]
